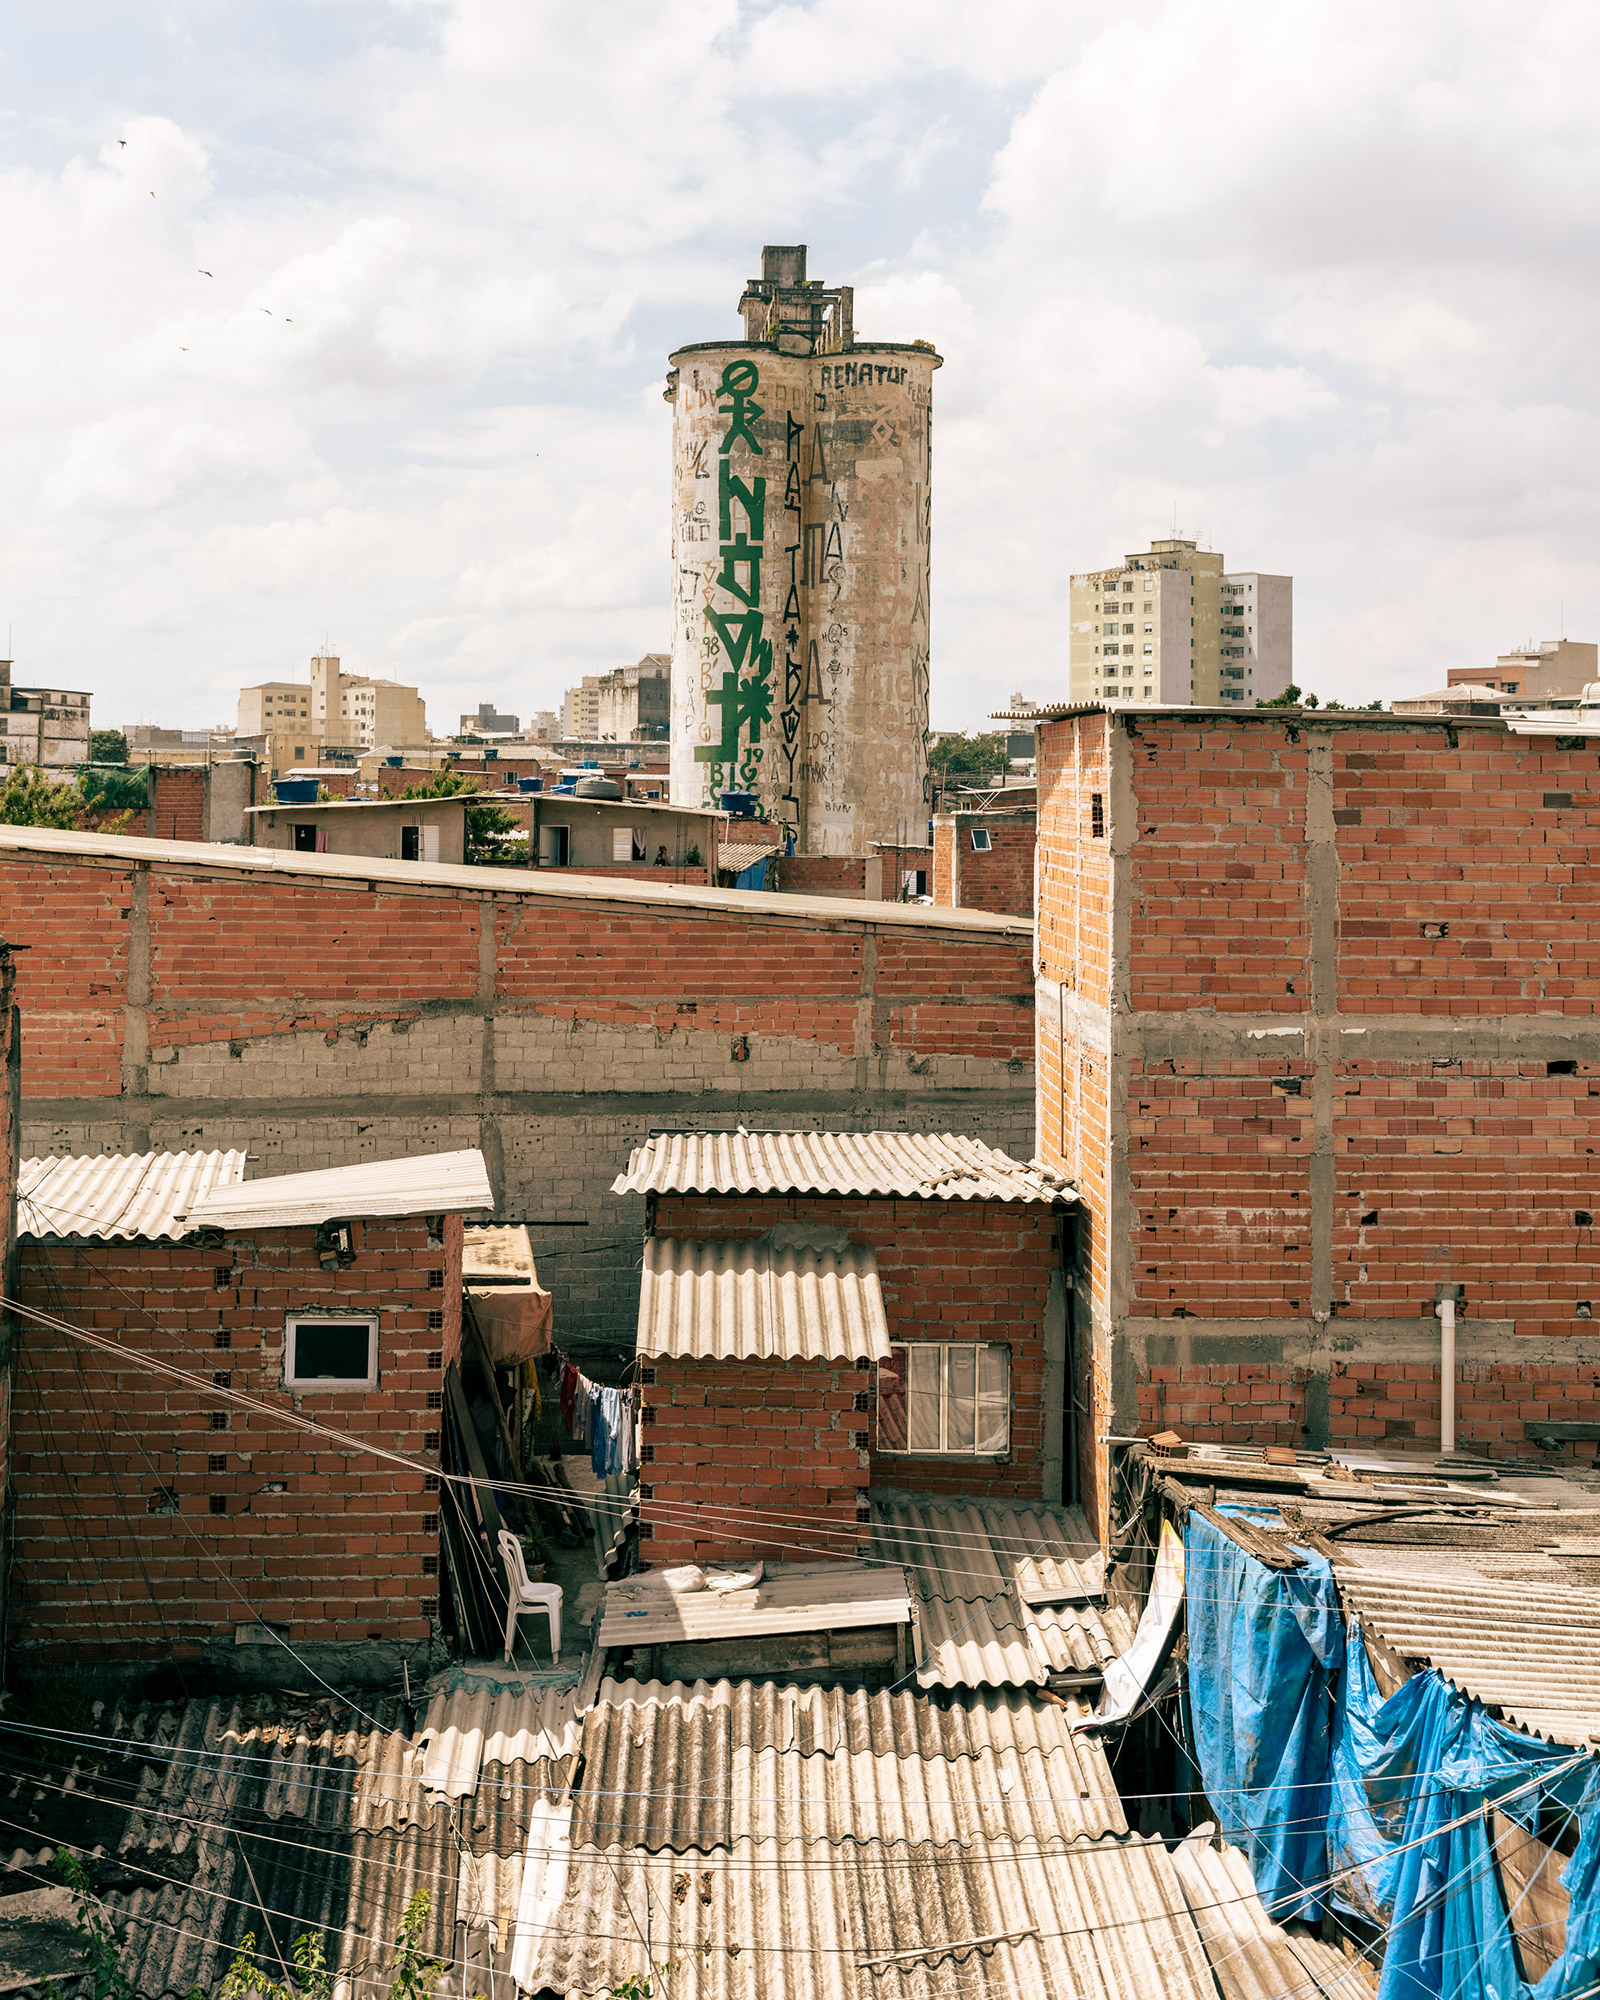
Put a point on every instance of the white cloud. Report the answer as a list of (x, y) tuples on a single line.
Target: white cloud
[(1318, 279)]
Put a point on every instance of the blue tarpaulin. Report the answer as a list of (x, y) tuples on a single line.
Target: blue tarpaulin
[(1411, 1778), (1331, 1790), (1265, 1652)]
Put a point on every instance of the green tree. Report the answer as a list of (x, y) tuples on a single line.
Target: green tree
[(111, 797), (29, 798), (107, 746), (968, 753), (1290, 698), (486, 825)]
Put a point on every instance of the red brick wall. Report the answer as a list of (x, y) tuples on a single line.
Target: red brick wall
[(642, 871), (10, 1158), (755, 1459), (1407, 910), (1002, 879), (821, 875), (945, 864), (333, 1545), (177, 802), (954, 1270), (1074, 1075)]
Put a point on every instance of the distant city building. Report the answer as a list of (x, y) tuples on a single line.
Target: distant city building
[(335, 713), (544, 724), (1556, 671), (1172, 626), (489, 722), (580, 711), (44, 726), (634, 704)]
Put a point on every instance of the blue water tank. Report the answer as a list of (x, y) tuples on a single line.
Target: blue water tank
[(530, 784), (739, 805), (296, 791), (394, 763)]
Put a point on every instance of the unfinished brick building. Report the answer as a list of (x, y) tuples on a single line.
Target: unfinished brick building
[(1317, 1034), (326, 1009), (984, 860), (163, 1517), (822, 1313)]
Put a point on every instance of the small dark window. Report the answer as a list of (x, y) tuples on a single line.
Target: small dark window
[(1097, 816), (222, 1277), (430, 1524), (981, 842), (430, 1480), (305, 838), (435, 1399), (436, 1320), (430, 1442), (219, 1503), (436, 1281), (326, 1352), (222, 1378), (222, 1338), (216, 1461), (436, 1358), (219, 1420), (410, 843), (430, 1565)]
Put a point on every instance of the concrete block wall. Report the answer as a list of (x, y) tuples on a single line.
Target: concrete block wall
[(1353, 1055), (327, 1011), (154, 1521), (752, 1460), (949, 1270)]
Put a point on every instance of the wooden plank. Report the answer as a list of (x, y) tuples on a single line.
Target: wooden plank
[(640, 1611), (1562, 1433), (486, 1364), (1530, 1882)]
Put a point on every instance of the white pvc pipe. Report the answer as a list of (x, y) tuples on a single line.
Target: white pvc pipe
[(1447, 1375)]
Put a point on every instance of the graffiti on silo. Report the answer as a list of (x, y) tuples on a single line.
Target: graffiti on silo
[(800, 611)]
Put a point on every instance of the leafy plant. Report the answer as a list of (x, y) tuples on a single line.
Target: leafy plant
[(29, 798), (107, 746), (486, 825), (122, 792), (102, 1940), (957, 752), (412, 1974)]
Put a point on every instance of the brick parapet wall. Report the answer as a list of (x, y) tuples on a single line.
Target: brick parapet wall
[(821, 875), (752, 1459), (177, 809), (335, 1547), (949, 1270), (321, 1018)]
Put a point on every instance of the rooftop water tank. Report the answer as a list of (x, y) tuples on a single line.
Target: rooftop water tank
[(296, 791), (530, 784), (739, 805), (598, 788)]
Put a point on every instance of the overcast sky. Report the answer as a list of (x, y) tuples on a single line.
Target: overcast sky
[(1317, 282)]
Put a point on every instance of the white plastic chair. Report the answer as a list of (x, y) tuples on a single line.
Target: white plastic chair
[(528, 1596)]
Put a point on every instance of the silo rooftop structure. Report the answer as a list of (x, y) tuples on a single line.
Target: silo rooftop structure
[(802, 462)]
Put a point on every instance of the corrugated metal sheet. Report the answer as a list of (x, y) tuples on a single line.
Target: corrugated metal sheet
[(1007, 1595), (737, 856), (497, 1254), (1252, 1957), (782, 1920), (758, 1302), (142, 1195), (468, 1728), (945, 1167), (1529, 1648), (791, 1597), (434, 1183), (704, 1767)]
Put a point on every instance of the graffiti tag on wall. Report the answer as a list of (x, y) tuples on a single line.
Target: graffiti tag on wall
[(743, 696)]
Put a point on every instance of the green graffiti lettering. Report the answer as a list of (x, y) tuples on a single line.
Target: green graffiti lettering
[(739, 631), (752, 498), (739, 378), (741, 553)]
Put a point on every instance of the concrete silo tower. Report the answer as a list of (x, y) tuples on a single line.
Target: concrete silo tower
[(801, 461)]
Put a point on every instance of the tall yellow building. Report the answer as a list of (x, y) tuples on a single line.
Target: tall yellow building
[(1171, 626)]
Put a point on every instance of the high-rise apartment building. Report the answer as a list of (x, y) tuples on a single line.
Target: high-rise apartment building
[(1172, 626), (580, 711), (355, 711)]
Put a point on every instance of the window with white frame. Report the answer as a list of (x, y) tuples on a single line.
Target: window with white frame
[(328, 1351), (981, 842), (945, 1398)]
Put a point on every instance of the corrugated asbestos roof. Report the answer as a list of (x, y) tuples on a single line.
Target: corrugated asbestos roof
[(740, 855), (1007, 1594), (119, 1194), (1254, 1958), (770, 1843), (1530, 1649), (758, 1302), (704, 1767), (942, 1167), (433, 1183)]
